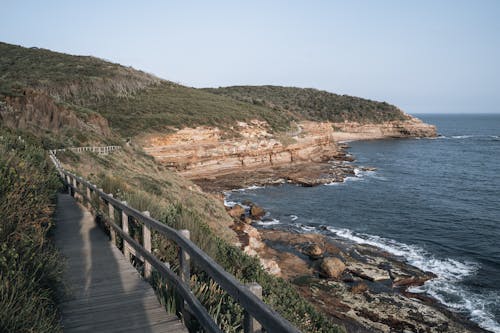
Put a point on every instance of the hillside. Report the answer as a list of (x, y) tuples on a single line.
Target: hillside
[(313, 104), (45, 91), (89, 88)]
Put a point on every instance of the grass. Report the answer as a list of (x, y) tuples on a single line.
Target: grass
[(166, 106), (313, 104), (30, 267), (195, 211)]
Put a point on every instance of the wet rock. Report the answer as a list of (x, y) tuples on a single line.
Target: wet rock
[(236, 211), (246, 220), (367, 271), (313, 251), (359, 288), (256, 212), (332, 267)]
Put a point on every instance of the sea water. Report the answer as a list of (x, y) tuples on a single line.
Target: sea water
[(434, 202)]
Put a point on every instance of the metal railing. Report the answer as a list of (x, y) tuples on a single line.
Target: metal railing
[(258, 316)]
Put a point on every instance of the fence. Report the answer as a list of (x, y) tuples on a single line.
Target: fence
[(98, 150), (258, 315)]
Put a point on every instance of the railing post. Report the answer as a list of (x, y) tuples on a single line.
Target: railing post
[(112, 231), (126, 250), (250, 324), (185, 274), (75, 184), (89, 197), (184, 260), (68, 180), (146, 242)]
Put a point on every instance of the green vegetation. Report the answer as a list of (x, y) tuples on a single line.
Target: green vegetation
[(30, 268), (312, 104), (170, 105), (65, 77), (134, 102), (278, 293)]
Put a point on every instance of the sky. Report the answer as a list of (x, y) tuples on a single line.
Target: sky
[(424, 56)]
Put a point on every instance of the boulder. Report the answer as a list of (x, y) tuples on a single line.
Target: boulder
[(246, 220), (256, 212), (236, 211), (332, 267), (313, 251)]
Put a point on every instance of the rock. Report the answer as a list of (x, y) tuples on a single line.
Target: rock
[(236, 211), (332, 267), (247, 220), (367, 271), (359, 288), (410, 281), (256, 212), (313, 251)]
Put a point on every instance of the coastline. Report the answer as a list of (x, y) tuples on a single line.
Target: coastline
[(372, 294)]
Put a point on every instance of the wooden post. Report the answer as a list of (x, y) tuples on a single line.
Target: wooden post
[(250, 325), (89, 197), (146, 242), (184, 260), (185, 274), (112, 231), (126, 250), (68, 180), (75, 184)]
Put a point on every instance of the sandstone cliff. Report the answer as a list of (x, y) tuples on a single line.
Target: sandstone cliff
[(204, 152)]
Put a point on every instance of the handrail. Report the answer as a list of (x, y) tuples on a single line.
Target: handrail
[(270, 320), (99, 150)]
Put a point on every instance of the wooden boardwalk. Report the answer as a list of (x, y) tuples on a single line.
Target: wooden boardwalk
[(104, 292)]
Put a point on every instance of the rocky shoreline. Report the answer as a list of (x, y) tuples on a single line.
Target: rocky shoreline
[(359, 286)]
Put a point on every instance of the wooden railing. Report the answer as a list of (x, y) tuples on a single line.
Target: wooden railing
[(98, 150), (258, 316)]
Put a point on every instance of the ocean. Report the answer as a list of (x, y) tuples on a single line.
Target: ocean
[(435, 202)]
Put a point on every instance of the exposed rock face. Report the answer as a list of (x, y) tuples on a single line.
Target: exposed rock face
[(413, 127), (203, 152), (36, 110)]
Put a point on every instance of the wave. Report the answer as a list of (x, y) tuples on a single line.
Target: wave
[(266, 223), (293, 217), (253, 187), (359, 174), (460, 137), (444, 288)]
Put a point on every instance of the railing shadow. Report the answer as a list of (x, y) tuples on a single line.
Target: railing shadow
[(101, 295)]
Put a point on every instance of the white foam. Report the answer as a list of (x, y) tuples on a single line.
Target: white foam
[(462, 136), (293, 217), (444, 288), (359, 174), (272, 222), (253, 187)]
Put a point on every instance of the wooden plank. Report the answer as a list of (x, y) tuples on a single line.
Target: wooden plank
[(106, 293)]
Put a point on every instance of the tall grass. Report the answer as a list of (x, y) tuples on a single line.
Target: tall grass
[(278, 293), (30, 267)]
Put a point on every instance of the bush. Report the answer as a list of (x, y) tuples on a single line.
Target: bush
[(30, 267)]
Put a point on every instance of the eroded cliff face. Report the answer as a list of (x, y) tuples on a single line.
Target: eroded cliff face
[(413, 127), (35, 110), (204, 151)]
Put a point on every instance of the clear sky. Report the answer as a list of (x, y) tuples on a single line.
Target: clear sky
[(424, 56)]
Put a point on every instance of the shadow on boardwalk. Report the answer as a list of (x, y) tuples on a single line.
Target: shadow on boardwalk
[(104, 292)]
